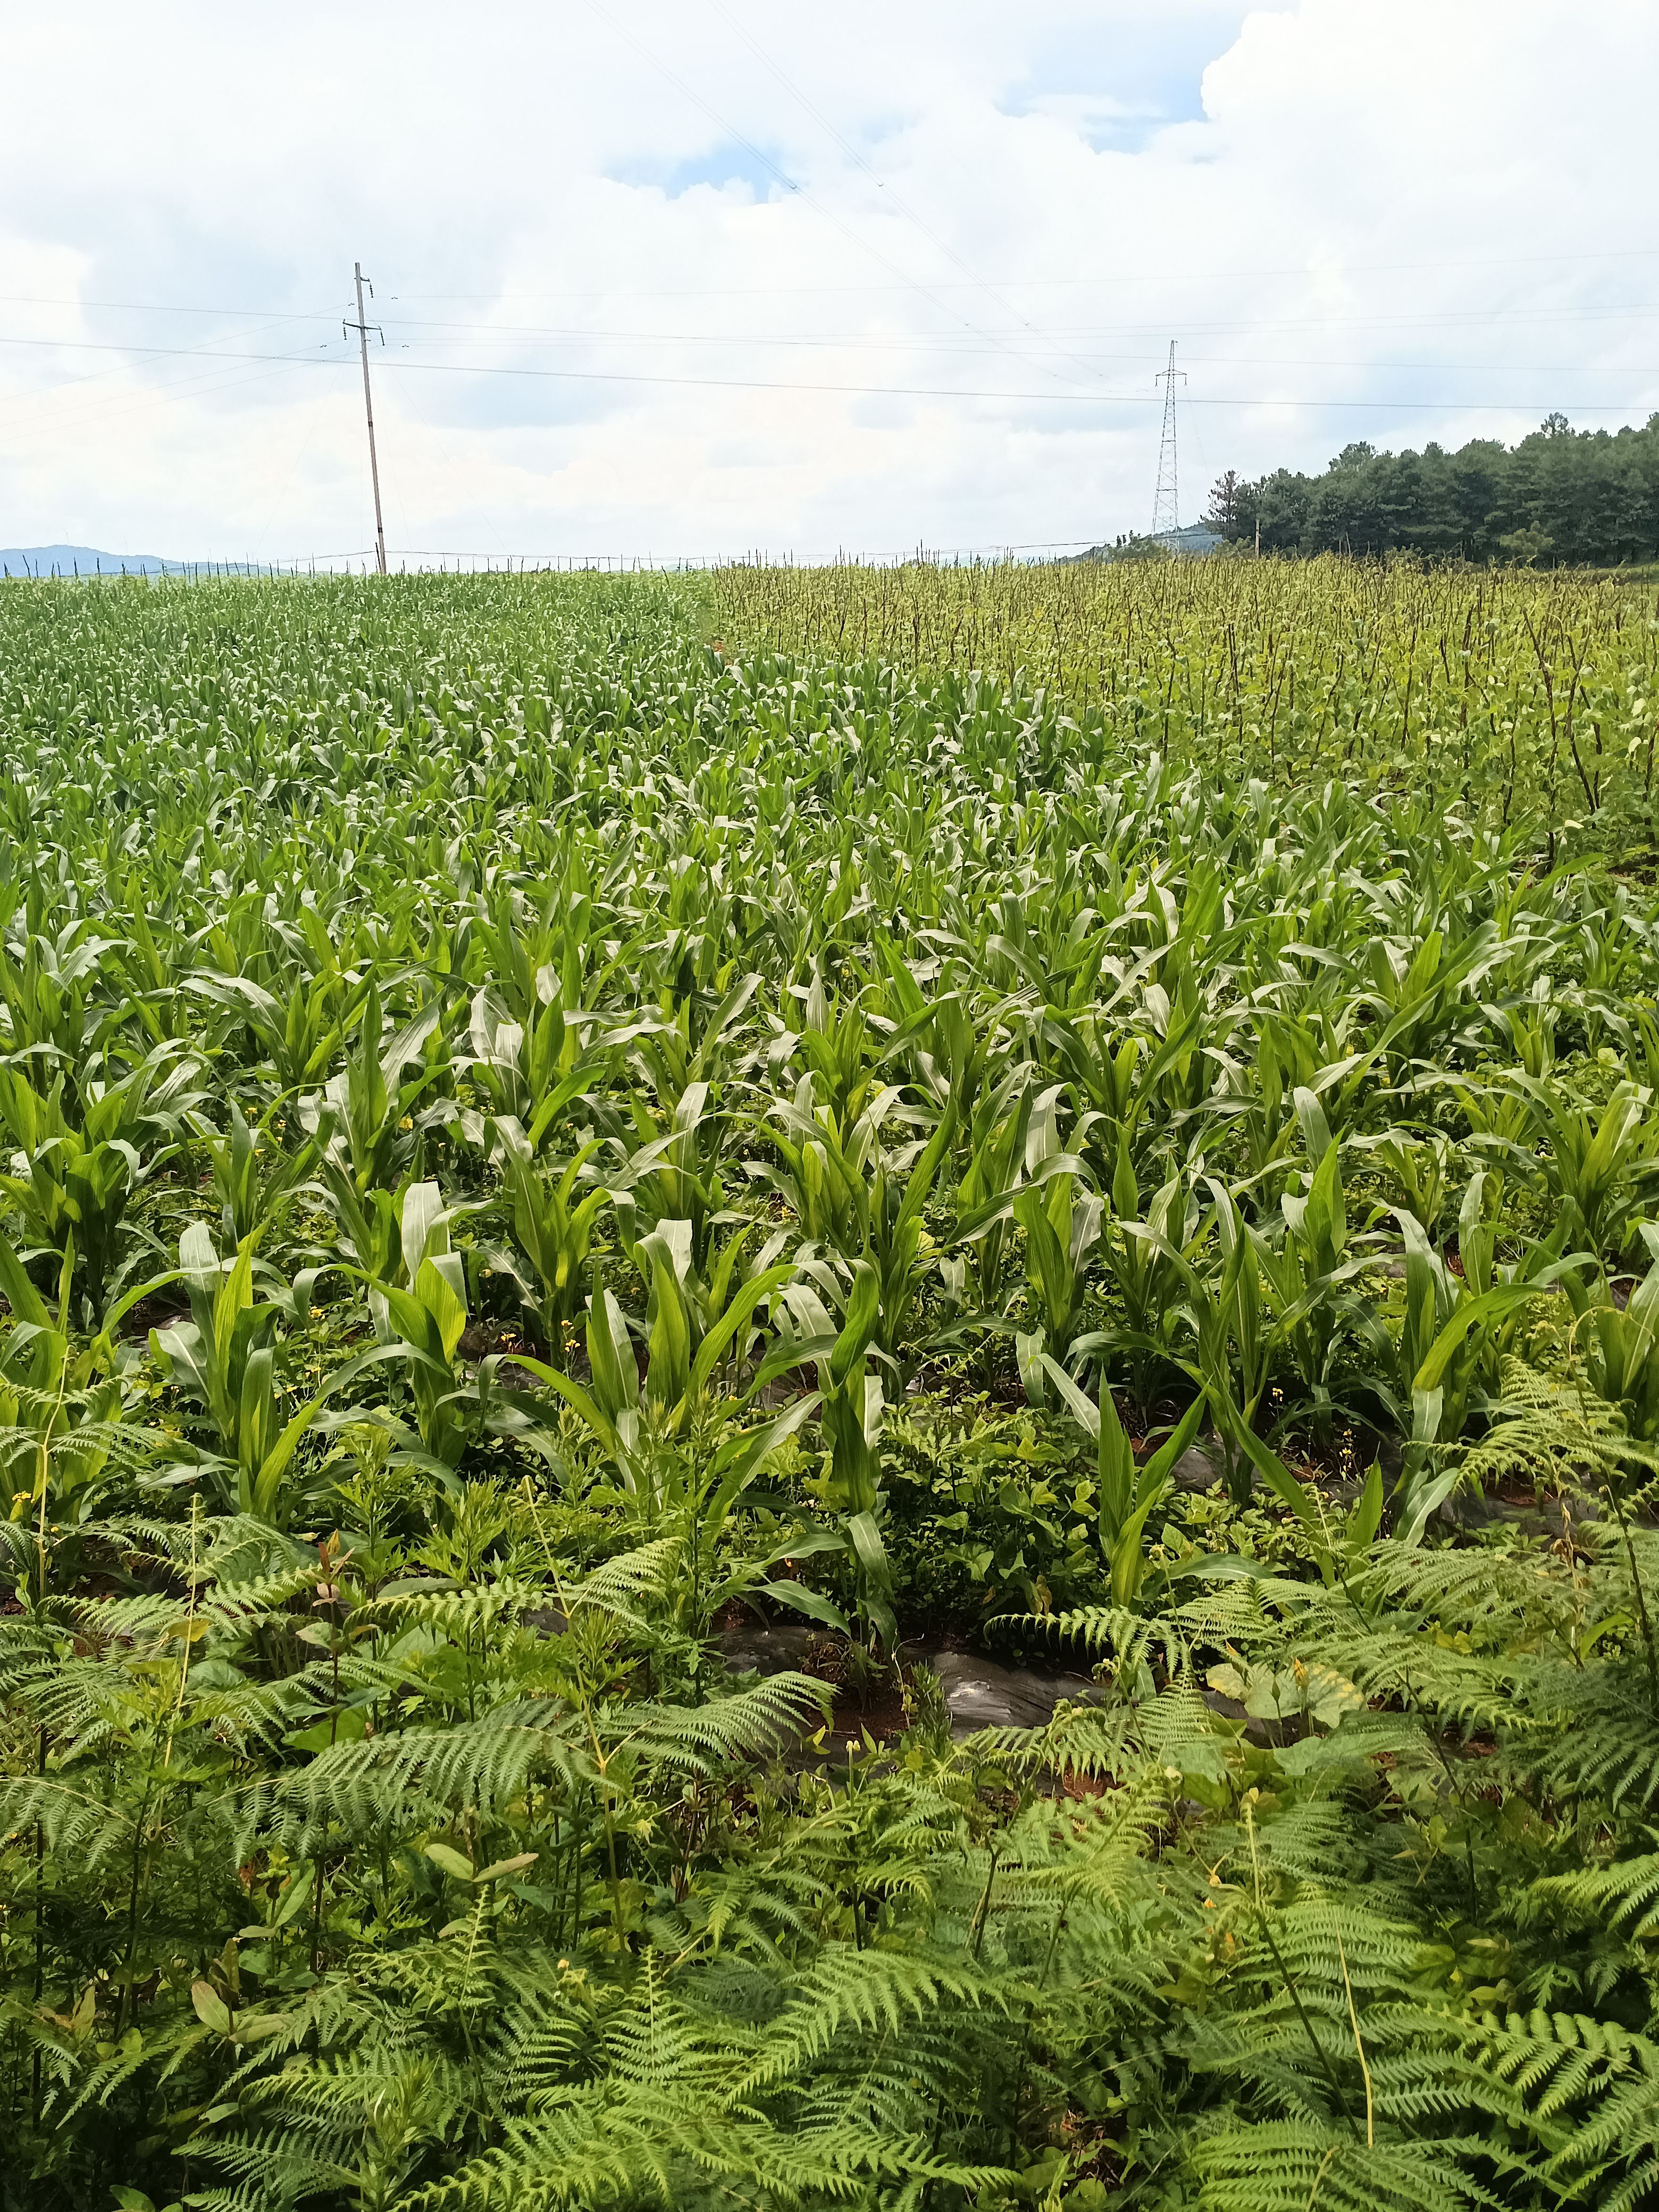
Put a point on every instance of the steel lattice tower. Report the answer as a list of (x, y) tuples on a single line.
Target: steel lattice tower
[(1166, 505)]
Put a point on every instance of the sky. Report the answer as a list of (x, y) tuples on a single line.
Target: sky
[(682, 279)]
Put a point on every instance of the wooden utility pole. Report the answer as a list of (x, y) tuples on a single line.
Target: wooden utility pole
[(362, 331)]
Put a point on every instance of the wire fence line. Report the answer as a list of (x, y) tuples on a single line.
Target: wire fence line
[(424, 559)]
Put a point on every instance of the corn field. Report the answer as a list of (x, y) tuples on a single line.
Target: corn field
[(1526, 698), (620, 1191)]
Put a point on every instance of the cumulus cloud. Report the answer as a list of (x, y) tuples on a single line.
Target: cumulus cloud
[(683, 280)]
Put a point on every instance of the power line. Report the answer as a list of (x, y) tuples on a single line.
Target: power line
[(1077, 399), (1616, 311), (948, 345), (790, 183), (190, 387), (192, 384), (880, 183), (962, 392), (1162, 276), (923, 341), (941, 342), (177, 353), (454, 553)]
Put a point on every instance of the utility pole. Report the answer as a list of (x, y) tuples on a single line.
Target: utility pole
[(1166, 510), (362, 331)]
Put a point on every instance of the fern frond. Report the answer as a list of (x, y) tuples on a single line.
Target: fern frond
[(1623, 1896), (868, 1990), (1603, 1743), (76, 1817), (1589, 2090), (1554, 1430), (459, 1613), (623, 1585), (1285, 2165), (1132, 1640), (753, 1722), (417, 1778)]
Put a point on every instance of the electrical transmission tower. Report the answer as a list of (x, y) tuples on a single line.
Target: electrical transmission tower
[(1166, 505)]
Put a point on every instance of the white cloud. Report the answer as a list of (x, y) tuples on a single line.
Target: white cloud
[(1355, 201)]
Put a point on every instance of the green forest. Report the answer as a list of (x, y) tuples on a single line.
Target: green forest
[(830, 1389), (1559, 498)]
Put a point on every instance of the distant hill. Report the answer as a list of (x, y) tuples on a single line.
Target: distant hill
[(41, 559), (1192, 538), (1190, 542)]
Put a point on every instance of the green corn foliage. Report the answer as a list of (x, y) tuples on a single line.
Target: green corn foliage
[(529, 1140)]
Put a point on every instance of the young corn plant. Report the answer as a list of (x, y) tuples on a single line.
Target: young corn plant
[(1062, 1220), (297, 1034), (824, 1178), (530, 1071), (1295, 1052), (227, 1356), (672, 1175), (49, 992), (363, 1118), (1234, 1340), (1620, 1343), (64, 1429), (1602, 1173), (550, 1219), (418, 1306), (1062, 1228), (837, 1044), (1117, 1080), (1128, 1491), (254, 1178), (1417, 990), (1145, 1241), (1420, 1166), (851, 1405), (1453, 1329), (958, 1044), (684, 1455), (75, 1175), (979, 1280), (697, 1330), (863, 1201), (1311, 1270)]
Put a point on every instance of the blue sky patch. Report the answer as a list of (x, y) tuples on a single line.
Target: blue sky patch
[(726, 163)]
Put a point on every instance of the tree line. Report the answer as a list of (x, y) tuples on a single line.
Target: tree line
[(1560, 497)]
